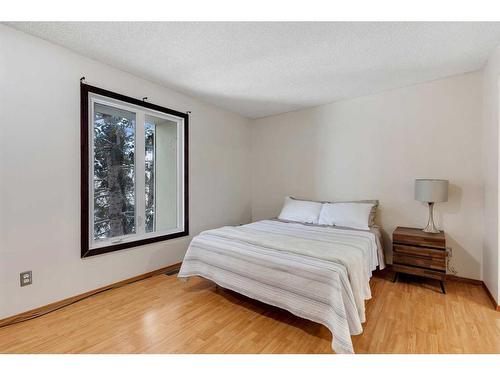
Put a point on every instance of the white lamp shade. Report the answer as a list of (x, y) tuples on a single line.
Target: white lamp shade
[(429, 190)]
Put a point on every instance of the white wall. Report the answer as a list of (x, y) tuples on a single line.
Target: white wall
[(39, 173), (373, 148), (491, 268)]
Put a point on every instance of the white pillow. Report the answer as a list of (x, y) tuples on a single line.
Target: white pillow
[(352, 215), (303, 211)]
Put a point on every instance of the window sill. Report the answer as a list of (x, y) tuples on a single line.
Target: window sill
[(126, 245)]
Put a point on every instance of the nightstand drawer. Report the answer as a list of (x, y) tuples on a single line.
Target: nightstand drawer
[(425, 262), (419, 251), (438, 275), (413, 236)]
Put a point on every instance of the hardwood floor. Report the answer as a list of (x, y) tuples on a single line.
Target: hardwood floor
[(164, 315)]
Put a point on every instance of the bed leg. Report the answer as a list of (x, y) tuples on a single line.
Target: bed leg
[(395, 277)]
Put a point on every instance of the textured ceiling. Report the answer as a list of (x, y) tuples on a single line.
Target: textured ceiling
[(258, 69)]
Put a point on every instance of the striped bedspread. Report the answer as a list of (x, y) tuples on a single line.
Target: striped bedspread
[(318, 273)]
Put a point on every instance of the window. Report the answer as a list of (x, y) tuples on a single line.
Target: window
[(134, 172)]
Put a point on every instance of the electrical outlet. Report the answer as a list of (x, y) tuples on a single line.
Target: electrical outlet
[(26, 278)]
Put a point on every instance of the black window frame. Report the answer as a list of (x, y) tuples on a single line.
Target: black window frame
[(86, 251)]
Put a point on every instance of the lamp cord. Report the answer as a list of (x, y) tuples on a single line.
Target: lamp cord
[(449, 266)]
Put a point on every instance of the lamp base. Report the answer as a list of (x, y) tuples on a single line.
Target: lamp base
[(431, 228)]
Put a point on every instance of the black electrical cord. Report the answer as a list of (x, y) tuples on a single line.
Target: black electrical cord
[(111, 287)]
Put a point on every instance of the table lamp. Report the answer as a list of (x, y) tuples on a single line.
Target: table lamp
[(431, 191)]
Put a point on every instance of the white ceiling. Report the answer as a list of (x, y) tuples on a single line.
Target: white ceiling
[(258, 69)]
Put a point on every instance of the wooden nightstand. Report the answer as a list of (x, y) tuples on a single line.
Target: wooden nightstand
[(419, 253)]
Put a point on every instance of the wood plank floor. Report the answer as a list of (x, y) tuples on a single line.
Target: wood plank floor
[(164, 315)]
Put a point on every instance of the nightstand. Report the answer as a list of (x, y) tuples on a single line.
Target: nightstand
[(419, 253)]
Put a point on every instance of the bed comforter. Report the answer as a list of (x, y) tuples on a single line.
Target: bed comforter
[(318, 273)]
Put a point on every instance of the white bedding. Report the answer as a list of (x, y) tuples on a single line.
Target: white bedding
[(318, 273)]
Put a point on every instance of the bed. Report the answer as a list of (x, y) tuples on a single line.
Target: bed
[(316, 272)]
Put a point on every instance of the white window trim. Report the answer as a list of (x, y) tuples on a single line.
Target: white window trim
[(140, 113)]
